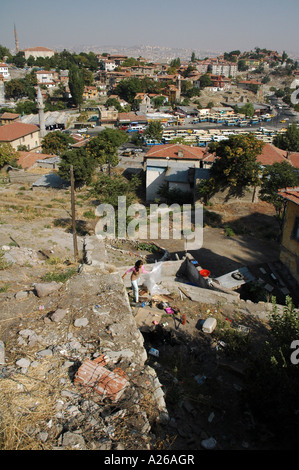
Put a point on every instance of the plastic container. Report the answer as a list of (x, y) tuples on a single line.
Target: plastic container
[(204, 272), (209, 325)]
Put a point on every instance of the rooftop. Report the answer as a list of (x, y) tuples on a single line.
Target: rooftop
[(15, 130), (177, 151), (291, 194)]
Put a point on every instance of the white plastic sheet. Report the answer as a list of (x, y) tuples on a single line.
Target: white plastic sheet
[(153, 278)]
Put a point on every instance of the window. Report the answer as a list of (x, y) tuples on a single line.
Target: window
[(295, 231)]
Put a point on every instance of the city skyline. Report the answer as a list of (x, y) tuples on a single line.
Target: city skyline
[(193, 24)]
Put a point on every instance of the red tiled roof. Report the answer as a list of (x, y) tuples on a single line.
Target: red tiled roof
[(9, 116), (171, 151), (15, 130), (38, 48), (291, 194), (271, 154), (131, 117), (28, 159), (294, 159)]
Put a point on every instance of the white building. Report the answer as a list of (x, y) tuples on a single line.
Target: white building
[(4, 71), (226, 69), (38, 52), (47, 78)]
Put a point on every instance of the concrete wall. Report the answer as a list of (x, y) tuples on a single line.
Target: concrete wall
[(154, 179), (22, 177)]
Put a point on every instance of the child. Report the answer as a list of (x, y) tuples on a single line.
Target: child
[(136, 271)]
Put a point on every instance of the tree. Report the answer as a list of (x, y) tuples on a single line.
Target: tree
[(15, 88), (4, 52), (175, 63), (107, 188), (289, 140), (242, 67), (56, 143), (205, 80), (235, 168), (8, 155), (154, 131), (275, 177), (19, 59), (247, 109), (128, 88), (103, 148), (83, 165), (76, 85)]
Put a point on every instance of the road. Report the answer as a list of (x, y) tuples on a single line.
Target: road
[(283, 112)]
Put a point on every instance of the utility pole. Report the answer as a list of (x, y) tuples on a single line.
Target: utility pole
[(73, 214)]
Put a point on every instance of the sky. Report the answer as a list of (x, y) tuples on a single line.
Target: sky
[(209, 25)]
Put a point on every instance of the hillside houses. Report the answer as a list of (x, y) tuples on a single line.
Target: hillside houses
[(175, 165)]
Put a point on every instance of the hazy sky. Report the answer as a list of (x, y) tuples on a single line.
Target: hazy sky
[(219, 25)]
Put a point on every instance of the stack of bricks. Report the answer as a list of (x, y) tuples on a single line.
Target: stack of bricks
[(94, 375)]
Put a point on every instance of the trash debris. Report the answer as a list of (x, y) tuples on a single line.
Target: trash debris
[(169, 310), (209, 325), (154, 352), (204, 272), (200, 379), (243, 329), (209, 444)]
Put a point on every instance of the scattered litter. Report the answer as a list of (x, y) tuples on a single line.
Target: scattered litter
[(204, 272), (200, 379), (243, 329), (220, 343), (169, 310), (209, 325), (154, 352)]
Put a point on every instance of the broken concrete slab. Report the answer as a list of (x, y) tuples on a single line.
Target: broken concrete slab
[(236, 278), (199, 294)]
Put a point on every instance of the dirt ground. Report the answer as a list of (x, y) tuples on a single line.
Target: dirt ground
[(207, 406)]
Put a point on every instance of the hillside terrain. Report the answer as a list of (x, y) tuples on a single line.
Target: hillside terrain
[(87, 315)]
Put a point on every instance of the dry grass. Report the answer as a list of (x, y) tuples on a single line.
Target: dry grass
[(27, 404)]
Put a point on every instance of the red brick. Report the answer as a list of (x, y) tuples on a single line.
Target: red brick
[(93, 375)]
